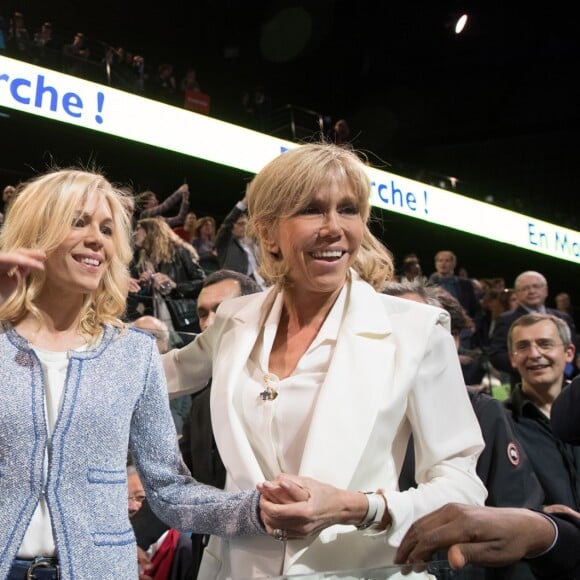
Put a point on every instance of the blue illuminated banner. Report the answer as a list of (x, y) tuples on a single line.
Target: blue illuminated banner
[(75, 101)]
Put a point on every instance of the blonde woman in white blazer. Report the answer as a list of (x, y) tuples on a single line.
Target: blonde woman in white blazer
[(321, 379)]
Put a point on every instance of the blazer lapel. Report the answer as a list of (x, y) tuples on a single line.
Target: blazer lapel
[(238, 342)]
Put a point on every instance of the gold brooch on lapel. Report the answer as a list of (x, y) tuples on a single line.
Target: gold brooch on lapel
[(269, 393)]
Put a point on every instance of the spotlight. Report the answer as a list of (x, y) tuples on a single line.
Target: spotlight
[(460, 23)]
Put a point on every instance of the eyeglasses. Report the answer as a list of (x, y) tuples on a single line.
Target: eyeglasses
[(529, 287), (542, 345), (137, 498)]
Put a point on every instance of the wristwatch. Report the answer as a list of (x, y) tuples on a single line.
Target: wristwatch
[(375, 512)]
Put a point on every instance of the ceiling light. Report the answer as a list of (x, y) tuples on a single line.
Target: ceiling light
[(460, 23)]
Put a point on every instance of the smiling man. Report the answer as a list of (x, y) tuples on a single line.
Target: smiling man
[(539, 347), (532, 292)]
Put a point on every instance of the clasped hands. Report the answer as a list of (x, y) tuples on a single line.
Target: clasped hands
[(295, 507)]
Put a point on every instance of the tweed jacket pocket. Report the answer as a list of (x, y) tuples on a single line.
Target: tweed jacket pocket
[(114, 538), (113, 476), (107, 494)]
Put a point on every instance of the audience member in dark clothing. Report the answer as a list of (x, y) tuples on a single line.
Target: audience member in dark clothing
[(540, 346), (235, 250), (167, 271)]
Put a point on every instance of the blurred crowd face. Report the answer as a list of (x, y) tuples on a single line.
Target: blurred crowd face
[(136, 493), (412, 268), (189, 223), (239, 228), (211, 297), (207, 230), (445, 263), (563, 301), (531, 291), (151, 201), (8, 193), (139, 235)]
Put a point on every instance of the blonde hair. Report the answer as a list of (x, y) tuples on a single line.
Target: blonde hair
[(160, 242), (38, 219), (288, 184)]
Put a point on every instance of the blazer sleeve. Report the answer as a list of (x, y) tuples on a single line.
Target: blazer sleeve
[(175, 497), (189, 368), (446, 449)]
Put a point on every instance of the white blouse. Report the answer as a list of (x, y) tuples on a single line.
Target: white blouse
[(38, 539), (277, 428)]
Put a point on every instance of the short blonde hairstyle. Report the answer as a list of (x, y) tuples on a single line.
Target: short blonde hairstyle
[(40, 218), (288, 183)]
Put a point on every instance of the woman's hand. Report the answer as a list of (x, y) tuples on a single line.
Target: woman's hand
[(134, 285), (184, 190), (302, 506), (145, 278), (162, 283), (15, 265)]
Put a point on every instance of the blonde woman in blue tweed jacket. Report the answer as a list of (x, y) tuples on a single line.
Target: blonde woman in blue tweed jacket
[(78, 389)]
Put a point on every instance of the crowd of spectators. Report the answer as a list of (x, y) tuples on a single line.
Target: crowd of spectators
[(118, 66)]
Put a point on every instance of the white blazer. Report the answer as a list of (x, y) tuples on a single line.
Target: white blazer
[(395, 370)]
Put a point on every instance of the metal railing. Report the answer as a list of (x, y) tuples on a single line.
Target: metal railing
[(296, 123)]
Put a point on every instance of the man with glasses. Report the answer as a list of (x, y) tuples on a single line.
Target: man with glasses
[(135, 490), (539, 346), (531, 291)]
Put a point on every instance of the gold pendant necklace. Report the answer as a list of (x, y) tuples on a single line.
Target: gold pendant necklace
[(269, 393)]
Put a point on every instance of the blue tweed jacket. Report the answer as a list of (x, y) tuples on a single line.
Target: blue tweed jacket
[(115, 399)]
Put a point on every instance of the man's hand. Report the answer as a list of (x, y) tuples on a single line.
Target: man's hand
[(479, 535)]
